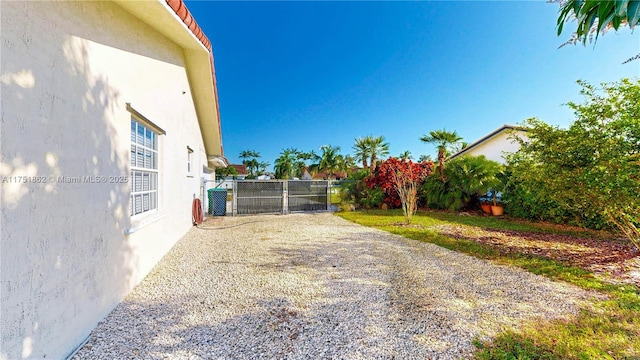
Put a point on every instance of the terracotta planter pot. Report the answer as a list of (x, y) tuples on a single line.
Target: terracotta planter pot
[(486, 208), (497, 210)]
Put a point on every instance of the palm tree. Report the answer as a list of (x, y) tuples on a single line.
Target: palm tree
[(248, 154), (349, 162), (245, 155), (460, 146), (252, 166), (424, 158), (285, 164), (406, 155), (443, 139), (301, 162), (262, 167), (377, 149), (330, 161), (361, 151), (249, 159)]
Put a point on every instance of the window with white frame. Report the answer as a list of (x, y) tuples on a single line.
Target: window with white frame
[(144, 168), (189, 161)]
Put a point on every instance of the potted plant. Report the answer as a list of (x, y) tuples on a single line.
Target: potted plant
[(485, 204), (497, 209), (496, 186)]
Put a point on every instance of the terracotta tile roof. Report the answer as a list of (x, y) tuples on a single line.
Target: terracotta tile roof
[(183, 13), (240, 169), (324, 176)]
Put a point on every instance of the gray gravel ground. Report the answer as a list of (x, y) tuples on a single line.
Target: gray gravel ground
[(314, 286)]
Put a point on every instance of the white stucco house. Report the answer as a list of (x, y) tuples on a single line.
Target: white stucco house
[(110, 122), (495, 145)]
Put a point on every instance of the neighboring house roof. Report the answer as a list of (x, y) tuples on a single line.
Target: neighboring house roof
[(172, 19), (486, 138), (323, 175), (240, 169)]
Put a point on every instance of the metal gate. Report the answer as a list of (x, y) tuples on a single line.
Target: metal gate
[(258, 197), (308, 195), (280, 196)]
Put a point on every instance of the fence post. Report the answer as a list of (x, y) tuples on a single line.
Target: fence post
[(329, 195), (234, 200), (285, 197)]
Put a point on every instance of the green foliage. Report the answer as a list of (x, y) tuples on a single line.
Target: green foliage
[(355, 192), (261, 168), (514, 346), (249, 154), (607, 13), (405, 155), (370, 149), (596, 17), (424, 158), (361, 151), (444, 141), (588, 174), (329, 161), (284, 164), (226, 171), (290, 163), (250, 160), (466, 179)]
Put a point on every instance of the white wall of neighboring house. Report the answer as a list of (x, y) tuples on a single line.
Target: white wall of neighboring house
[(67, 71), (495, 147)]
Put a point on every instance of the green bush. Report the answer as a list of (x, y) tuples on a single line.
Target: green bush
[(467, 178), (355, 192), (588, 174)]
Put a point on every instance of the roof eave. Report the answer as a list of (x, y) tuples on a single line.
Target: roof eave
[(172, 19), (485, 138)]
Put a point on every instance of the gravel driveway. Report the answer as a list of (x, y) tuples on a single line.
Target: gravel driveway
[(316, 286)]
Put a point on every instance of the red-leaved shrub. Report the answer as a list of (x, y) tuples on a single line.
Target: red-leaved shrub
[(386, 175)]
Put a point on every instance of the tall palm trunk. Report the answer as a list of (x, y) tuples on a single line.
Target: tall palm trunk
[(441, 163)]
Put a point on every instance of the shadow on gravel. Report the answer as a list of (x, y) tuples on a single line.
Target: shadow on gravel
[(273, 329), (431, 302), (350, 294)]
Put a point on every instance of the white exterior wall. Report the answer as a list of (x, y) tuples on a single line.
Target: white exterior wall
[(496, 147), (67, 70)]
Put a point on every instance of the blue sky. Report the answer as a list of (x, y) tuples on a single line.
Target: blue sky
[(306, 74)]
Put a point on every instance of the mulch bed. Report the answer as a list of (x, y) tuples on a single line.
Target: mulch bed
[(613, 259)]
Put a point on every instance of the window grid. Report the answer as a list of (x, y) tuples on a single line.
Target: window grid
[(144, 169)]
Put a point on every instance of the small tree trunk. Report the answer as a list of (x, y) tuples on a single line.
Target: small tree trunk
[(441, 163)]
